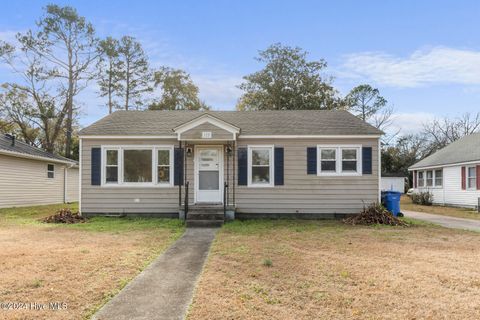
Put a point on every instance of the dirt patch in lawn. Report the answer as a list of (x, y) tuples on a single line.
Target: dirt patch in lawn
[(80, 268), (326, 270)]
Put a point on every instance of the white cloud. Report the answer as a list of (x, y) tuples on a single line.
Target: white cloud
[(218, 90), (436, 65), (410, 122)]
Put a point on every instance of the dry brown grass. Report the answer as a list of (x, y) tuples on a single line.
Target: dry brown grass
[(406, 204), (326, 270), (82, 268)]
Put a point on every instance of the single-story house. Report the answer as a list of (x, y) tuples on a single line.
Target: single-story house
[(393, 182), (253, 163), (31, 176), (451, 174)]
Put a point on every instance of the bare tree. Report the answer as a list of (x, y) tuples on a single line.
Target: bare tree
[(67, 44), (441, 132)]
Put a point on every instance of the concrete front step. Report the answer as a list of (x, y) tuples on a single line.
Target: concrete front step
[(204, 223), (205, 216)]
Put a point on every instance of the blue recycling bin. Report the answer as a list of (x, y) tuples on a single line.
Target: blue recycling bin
[(391, 201)]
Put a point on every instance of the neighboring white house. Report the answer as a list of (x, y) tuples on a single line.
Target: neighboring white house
[(392, 182), (452, 174), (31, 176)]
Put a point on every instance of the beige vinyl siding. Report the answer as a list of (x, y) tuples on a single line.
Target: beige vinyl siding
[(24, 182), (72, 193), (121, 199), (301, 193), (308, 193), (196, 133)]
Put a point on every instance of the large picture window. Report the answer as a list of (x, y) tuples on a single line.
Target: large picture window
[(339, 160), (143, 166), (260, 166)]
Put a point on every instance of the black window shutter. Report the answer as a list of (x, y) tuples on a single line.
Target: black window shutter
[(178, 166), (96, 166), (242, 166), (278, 166), (367, 160), (312, 160)]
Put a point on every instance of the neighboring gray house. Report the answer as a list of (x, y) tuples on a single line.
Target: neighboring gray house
[(31, 176), (263, 163), (451, 174)]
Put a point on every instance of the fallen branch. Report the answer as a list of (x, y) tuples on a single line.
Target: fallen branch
[(64, 216), (375, 214)]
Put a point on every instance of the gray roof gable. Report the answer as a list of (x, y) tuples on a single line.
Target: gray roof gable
[(161, 123), (465, 149), (21, 148)]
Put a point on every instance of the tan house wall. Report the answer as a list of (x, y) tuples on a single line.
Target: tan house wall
[(24, 182), (120, 199), (73, 183), (217, 133), (301, 193)]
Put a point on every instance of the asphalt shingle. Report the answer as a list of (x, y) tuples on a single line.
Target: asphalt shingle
[(23, 148), (465, 149), (323, 122)]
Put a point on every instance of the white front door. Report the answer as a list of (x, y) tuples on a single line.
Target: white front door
[(208, 177)]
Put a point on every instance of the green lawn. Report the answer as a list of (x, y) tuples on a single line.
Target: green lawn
[(32, 216)]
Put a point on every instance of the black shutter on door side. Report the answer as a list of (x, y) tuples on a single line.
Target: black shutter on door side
[(367, 160), (242, 166), (312, 160), (178, 166), (279, 164), (96, 166)]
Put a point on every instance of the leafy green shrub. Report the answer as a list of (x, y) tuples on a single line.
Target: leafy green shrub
[(424, 198)]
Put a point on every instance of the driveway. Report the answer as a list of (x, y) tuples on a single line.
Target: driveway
[(164, 290), (445, 221)]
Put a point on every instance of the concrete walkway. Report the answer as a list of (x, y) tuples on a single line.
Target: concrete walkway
[(164, 289), (445, 221)]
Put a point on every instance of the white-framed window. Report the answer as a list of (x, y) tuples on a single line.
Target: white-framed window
[(429, 175), (260, 166), (420, 180), (430, 178), (50, 171), (471, 177), (339, 160), (164, 166), (111, 166), (438, 178), (137, 165)]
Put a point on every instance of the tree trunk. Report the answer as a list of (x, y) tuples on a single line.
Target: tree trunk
[(110, 89), (127, 87), (68, 143)]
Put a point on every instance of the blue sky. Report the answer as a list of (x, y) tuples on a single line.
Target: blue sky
[(424, 56)]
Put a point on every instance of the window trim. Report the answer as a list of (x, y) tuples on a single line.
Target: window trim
[(338, 160), (52, 171), (467, 178), (121, 149), (434, 178), (271, 166)]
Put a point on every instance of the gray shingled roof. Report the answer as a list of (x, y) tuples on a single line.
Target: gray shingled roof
[(464, 150), (22, 148), (323, 122)]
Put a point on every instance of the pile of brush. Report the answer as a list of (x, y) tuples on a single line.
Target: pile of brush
[(64, 216), (375, 214)]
